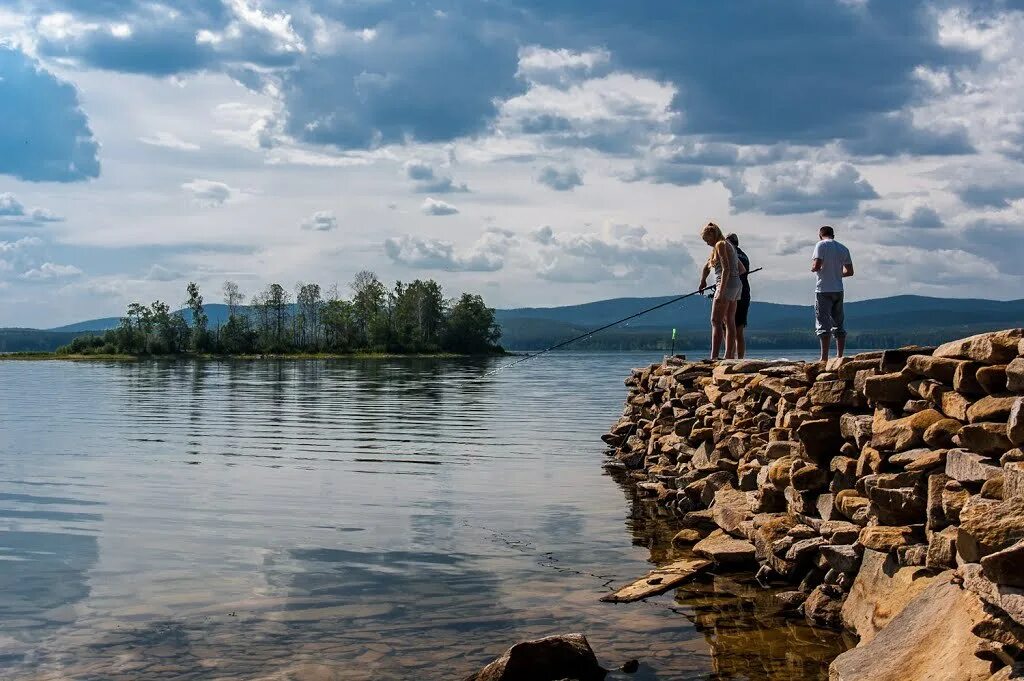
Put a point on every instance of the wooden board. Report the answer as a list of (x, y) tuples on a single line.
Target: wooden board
[(659, 581)]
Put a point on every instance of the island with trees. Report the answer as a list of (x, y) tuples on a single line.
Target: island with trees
[(413, 318)]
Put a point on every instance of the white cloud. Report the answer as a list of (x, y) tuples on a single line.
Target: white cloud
[(427, 180), (560, 179), (559, 67), (160, 273), (168, 140), (486, 255), (800, 187), (791, 244), (321, 221), (432, 206), (20, 244), (209, 192), (14, 212), (49, 270)]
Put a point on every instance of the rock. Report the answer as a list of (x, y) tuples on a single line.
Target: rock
[(996, 347), (991, 408), (895, 360), (855, 427), (724, 549), (659, 581), (824, 606), (930, 638), (942, 549), (568, 656), (804, 549), (808, 478), (1015, 423), (890, 388), (912, 555), (839, 531), (686, 538), (825, 504), (769, 528), (883, 538), (730, 508), (965, 379), (941, 369), (993, 488), (992, 379), (899, 506), (791, 600), (879, 592), (940, 434), (985, 438), (831, 393), (852, 505), (842, 557), (918, 459), (902, 434), (935, 515), (1015, 375), (1007, 599), (953, 404), (1006, 566), (969, 467), (1013, 480), (821, 438), (870, 461), (1016, 454), (988, 526), (954, 496)]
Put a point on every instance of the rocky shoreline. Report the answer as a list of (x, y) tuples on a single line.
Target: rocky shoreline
[(886, 487)]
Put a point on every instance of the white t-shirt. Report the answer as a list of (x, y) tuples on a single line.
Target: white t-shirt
[(833, 256)]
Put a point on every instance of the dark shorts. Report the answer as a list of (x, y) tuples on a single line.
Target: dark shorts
[(742, 308), (828, 314)]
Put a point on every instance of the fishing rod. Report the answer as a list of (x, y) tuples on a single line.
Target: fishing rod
[(606, 326)]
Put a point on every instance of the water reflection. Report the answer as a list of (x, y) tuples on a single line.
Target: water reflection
[(397, 519)]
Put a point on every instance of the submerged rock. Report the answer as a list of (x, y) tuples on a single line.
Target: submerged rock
[(567, 656)]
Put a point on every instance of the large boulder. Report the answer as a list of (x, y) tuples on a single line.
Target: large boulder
[(942, 369), (1015, 423), (723, 549), (885, 538), (730, 509), (970, 467), (985, 438), (987, 526), (1006, 566), (930, 638), (996, 347), (991, 408), (567, 656), (1015, 375), (940, 434), (891, 388), (902, 434), (880, 592)]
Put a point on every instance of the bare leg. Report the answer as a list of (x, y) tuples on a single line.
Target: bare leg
[(730, 329), (717, 326), (741, 343), (824, 339), (840, 345)]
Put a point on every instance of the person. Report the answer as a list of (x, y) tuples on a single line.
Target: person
[(743, 306), (830, 263), (727, 293)]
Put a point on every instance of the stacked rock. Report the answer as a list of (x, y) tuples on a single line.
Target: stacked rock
[(911, 453)]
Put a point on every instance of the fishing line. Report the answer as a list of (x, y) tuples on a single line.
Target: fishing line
[(606, 326)]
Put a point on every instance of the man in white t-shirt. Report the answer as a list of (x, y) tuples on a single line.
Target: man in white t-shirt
[(831, 262)]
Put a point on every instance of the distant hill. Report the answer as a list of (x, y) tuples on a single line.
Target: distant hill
[(873, 323)]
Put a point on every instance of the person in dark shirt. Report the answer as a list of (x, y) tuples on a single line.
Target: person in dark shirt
[(743, 306)]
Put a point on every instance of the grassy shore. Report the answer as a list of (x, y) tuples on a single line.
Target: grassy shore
[(53, 356)]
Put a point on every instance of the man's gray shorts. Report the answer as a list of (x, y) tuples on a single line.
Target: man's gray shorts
[(828, 314)]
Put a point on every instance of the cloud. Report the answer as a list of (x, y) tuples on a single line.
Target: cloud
[(791, 244), (321, 221), (427, 181), (923, 217), (997, 241), (209, 192), (160, 273), (432, 206), (169, 140), (45, 135), (560, 179), (486, 255), (14, 212), (20, 244), (560, 68), (49, 270), (988, 186), (800, 187), (895, 133), (617, 252)]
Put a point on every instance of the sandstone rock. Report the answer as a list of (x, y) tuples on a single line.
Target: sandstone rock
[(852, 505), (804, 549), (985, 438), (883, 538), (1015, 423), (825, 504), (1013, 480), (870, 461), (702, 521), (546, 659), (900, 506), (879, 592), (940, 434), (782, 448), (953, 404), (918, 459), (823, 606), (914, 406), (724, 549), (855, 427), (992, 379), (839, 531), (1015, 454), (942, 549), (799, 503), (912, 555), (964, 466), (993, 488), (686, 538), (988, 526), (997, 347), (730, 508), (895, 360), (836, 393), (902, 434), (1006, 566), (991, 408), (935, 514), (1007, 599), (954, 496), (891, 388), (941, 369), (769, 528), (1015, 375), (842, 557), (965, 379), (930, 638), (821, 438), (808, 477)]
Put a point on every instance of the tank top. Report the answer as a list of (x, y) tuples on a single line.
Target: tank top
[(734, 263)]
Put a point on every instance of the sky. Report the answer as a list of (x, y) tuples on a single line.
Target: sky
[(538, 152)]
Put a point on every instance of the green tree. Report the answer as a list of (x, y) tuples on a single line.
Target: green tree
[(199, 340), (309, 303), (368, 296), (471, 326), (272, 305)]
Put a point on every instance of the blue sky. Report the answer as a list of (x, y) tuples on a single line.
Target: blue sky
[(538, 152)]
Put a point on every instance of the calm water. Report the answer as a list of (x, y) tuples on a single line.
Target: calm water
[(388, 519)]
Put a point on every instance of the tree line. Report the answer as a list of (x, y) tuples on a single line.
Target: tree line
[(407, 318)]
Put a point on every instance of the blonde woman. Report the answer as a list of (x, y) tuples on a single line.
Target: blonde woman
[(726, 264)]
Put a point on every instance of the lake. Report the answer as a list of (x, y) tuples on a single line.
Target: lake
[(343, 519)]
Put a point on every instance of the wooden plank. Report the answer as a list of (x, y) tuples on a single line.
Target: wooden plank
[(659, 581)]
